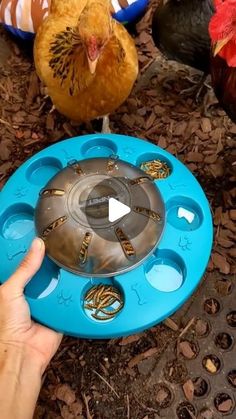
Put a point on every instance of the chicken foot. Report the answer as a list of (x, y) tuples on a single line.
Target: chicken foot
[(105, 125), (197, 88)]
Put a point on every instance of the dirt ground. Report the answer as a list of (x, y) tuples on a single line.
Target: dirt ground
[(107, 379)]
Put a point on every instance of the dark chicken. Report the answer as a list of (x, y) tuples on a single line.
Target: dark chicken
[(222, 30), (180, 31)]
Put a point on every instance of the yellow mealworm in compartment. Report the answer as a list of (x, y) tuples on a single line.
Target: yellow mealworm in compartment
[(83, 254), (157, 169), (100, 300), (55, 224)]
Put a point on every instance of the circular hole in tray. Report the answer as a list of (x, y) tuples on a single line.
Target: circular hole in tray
[(231, 318), (185, 410), (224, 341), (184, 213), (44, 282), (224, 403), (188, 349), (175, 372), (165, 271), (42, 170), (202, 328), (17, 221), (98, 147), (157, 174), (103, 302), (211, 306), (206, 413), (231, 377), (211, 363), (201, 387), (163, 396)]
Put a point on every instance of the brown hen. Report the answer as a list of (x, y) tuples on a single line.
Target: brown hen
[(87, 60)]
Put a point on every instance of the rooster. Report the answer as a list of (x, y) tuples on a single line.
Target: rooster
[(222, 29), (86, 59), (180, 32)]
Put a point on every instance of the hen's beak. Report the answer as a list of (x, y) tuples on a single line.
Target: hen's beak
[(220, 44), (92, 65)]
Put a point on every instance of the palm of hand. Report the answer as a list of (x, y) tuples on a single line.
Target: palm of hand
[(16, 326)]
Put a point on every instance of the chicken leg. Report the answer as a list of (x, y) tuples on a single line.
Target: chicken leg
[(105, 125), (197, 87)]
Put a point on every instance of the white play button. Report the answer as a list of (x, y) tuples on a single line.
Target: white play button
[(117, 210)]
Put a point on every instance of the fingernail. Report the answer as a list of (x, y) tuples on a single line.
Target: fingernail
[(37, 244)]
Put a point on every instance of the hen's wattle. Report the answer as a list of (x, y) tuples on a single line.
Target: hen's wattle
[(224, 84)]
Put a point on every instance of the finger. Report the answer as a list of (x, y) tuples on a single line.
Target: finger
[(29, 265)]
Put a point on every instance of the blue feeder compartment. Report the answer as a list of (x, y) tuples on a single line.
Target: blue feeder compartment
[(131, 13), (141, 296)]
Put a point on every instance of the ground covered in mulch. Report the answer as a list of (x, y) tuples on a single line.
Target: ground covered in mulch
[(89, 379)]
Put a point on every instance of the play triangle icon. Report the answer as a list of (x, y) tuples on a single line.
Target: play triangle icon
[(117, 210)]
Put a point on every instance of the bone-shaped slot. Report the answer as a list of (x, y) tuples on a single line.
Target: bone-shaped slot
[(184, 213)]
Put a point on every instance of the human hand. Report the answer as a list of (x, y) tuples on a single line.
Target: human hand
[(17, 329)]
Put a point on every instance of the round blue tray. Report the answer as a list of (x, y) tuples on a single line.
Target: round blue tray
[(152, 291)]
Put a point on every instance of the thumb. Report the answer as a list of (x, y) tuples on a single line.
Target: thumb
[(29, 265)]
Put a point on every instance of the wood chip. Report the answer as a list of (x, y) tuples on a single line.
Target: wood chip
[(220, 262), (206, 125), (223, 287), (64, 393), (188, 389), (186, 350), (232, 214), (33, 89), (5, 150), (225, 406), (201, 327), (129, 339), (140, 357), (161, 396), (171, 324), (194, 157), (218, 215)]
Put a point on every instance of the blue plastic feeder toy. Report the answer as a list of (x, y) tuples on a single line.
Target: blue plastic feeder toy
[(132, 13), (127, 228)]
